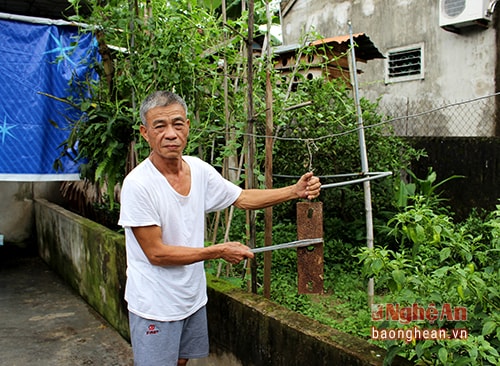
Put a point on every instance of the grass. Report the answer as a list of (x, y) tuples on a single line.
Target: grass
[(343, 305)]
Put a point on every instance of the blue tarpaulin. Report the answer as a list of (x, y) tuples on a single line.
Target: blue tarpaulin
[(37, 61)]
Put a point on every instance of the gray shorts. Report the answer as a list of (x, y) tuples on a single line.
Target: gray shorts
[(163, 343)]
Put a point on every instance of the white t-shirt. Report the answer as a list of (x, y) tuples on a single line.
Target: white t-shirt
[(168, 293)]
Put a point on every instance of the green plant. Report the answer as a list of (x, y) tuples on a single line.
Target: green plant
[(152, 54), (454, 264), (144, 49), (426, 187)]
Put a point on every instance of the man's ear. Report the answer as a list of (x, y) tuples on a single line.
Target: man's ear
[(143, 131)]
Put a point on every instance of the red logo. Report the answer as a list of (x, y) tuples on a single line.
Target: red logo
[(415, 312), (152, 330)]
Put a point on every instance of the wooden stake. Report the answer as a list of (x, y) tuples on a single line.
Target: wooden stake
[(310, 259)]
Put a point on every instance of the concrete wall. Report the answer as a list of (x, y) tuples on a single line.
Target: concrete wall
[(245, 329), (259, 332), (457, 67), (88, 256), (17, 208)]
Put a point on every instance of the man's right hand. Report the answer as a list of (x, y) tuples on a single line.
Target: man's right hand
[(234, 252)]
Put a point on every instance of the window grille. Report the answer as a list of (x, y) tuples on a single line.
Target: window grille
[(403, 64)]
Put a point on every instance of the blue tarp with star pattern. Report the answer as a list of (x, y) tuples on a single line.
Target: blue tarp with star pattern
[(37, 63)]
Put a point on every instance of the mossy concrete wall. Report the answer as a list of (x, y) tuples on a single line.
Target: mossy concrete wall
[(88, 256), (245, 329), (262, 333)]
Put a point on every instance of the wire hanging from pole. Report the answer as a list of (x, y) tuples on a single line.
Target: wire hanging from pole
[(310, 142)]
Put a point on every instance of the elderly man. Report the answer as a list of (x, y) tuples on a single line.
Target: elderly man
[(163, 205)]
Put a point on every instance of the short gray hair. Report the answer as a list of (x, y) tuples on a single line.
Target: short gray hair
[(160, 99)]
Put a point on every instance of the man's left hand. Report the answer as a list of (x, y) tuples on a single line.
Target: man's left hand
[(308, 186)]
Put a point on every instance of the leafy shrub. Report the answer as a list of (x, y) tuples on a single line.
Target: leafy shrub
[(442, 263)]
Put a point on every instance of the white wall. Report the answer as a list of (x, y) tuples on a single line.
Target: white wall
[(17, 209), (457, 67)]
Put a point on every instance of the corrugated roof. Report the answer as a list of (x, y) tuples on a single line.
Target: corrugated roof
[(286, 48), (365, 49)]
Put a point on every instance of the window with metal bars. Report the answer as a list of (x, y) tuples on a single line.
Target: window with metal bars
[(405, 63)]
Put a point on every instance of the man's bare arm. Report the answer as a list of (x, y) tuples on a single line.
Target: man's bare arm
[(308, 186), (161, 254)]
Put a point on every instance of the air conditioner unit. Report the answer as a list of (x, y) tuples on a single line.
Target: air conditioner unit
[(454, 14)]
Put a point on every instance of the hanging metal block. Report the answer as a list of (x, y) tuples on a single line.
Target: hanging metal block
[(310, 259)]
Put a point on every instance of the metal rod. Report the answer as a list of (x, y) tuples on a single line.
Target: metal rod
[(364, 161), (292, 244), (347, 182)]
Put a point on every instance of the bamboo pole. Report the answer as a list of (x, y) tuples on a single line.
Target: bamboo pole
[(225, 167), (268, 213), (251, 140)]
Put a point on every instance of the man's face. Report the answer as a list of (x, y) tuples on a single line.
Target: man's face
[(167, 130)]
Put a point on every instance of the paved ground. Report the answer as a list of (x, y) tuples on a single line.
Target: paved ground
[(44, 323)]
